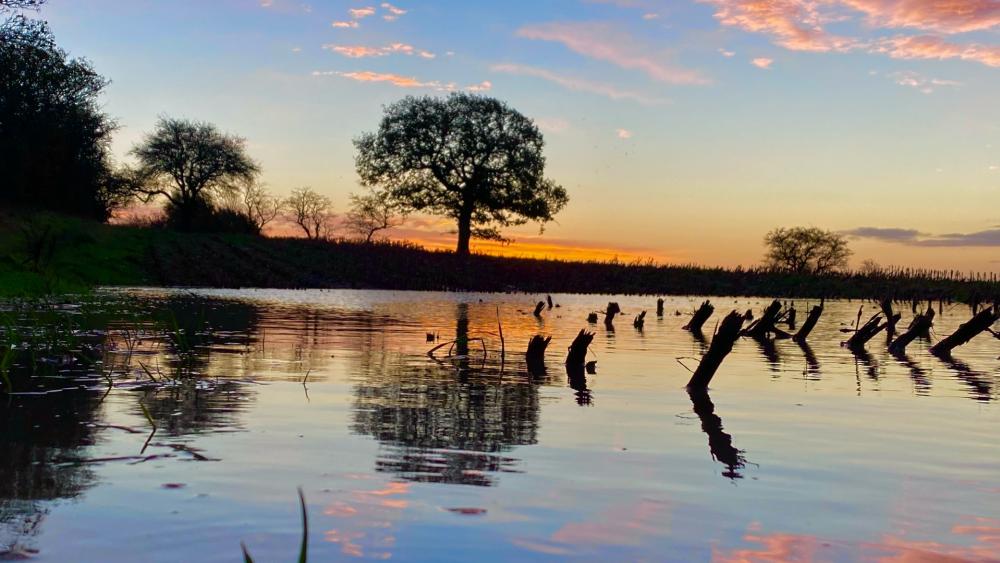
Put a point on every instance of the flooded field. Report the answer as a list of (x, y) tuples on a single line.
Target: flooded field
[(807, 453)]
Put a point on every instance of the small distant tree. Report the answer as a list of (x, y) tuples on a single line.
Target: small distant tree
[(471, 158), (871, 268), (371, 213), (311, 211), (190, 163), (806, 250), (256, 203)]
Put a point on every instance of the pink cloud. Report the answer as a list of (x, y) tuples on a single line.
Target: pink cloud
[(388, 77), (762, 62), (484, 86), (623, 134), (345, 24), (794, 24), (358, 13), (360, 51), (602, 42), (931, 47), (799, 25), (944, 16), (394, 12), (915, 80), (579, 84)]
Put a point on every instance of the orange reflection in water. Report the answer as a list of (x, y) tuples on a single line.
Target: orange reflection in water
[(369, 514)]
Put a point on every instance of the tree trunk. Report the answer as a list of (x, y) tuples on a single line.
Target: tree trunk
[(464, 231)]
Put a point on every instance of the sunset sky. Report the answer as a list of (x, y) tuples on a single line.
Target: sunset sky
[(682, 130)]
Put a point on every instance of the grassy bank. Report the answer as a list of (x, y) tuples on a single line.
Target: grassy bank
[(87, 254)]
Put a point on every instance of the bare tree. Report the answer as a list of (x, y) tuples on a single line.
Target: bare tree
[(806, 250), (312, 211), (20, 4), (256, 203), (373, 212)]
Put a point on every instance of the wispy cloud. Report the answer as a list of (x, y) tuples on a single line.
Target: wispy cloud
[(930, 47), (552, 124), (359, 13), (394, 12), (944, 16), (401, 81), (345, 24), (915, 80), (913, 237), (801, 25), (605, 43), (579, 84), (650, 16), (762, 62), (727, 54), (623, 133), (484, 86), (361, 51)]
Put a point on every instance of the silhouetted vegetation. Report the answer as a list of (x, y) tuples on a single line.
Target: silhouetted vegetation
[(373, 212), (806, 250), (312, 212), (54, 138), (470, 158), (193, 165)]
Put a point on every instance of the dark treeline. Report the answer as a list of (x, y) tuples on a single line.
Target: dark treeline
[(297, 263), (54, 138)]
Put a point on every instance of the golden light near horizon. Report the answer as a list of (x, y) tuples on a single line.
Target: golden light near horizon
[(682, 131)]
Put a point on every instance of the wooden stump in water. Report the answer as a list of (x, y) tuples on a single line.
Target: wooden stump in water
[(659, 307), (536, 353), (609, 315), (577, 355), (766, 323), (592, 318), (640, 320), (982, 321), (538, 309), (810, 323), (890, 317), (722, 344), (548, 298), (700, 316), (920, 325), (866, 332)]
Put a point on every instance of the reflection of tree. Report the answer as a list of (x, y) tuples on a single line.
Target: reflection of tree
[(719, 443), (35, 433), (917, 373), (440, 428), (812, 363)]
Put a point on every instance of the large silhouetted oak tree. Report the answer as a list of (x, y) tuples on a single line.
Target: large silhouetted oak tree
[(471, 158)]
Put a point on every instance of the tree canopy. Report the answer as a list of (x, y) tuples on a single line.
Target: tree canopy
[(806, 250), (191, 163), (54, 139), (470, 158)]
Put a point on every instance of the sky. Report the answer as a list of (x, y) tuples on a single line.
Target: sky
[(682, 130)]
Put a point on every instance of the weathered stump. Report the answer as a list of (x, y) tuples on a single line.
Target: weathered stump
[(866, 332), (766, 323), (548, 298), (890, 317), (538, 309), (640, 320), (982, 321), (700, 316), (577, 355), (535, 355), (722, 344), (920, 325), (811, 319), (659, 307)]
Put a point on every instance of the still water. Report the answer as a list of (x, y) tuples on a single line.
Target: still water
[(799, 454)]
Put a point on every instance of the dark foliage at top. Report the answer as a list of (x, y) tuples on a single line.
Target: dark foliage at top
[(471, 158), (53, 136)]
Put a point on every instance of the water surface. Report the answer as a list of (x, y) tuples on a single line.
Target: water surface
[(796, 453)]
